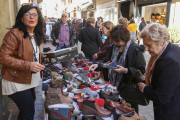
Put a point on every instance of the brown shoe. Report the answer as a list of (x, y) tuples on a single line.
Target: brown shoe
[(140, 77), (92, 108), (124, 103), (63, 98), (52, 97), (123, 107), (132, 116)]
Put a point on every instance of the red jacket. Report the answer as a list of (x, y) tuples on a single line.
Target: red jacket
[(102, 53)]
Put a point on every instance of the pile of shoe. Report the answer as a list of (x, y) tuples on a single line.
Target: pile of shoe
[(96, 98)]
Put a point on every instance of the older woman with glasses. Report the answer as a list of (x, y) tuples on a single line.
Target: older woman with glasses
[(162, 76), (127, 55), (19, 57)]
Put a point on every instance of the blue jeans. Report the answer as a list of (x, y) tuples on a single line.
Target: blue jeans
[(61, 47), (90, 57), (25, 102)]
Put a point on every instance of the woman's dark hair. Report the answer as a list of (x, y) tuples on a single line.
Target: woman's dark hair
[(120, 32), (38, 31), (132, 21), (142, 19)]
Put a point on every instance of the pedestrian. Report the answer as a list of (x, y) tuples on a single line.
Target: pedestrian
[(141, 26), (162, 76), (84, 21), (133, 29), (80, 22), (123, 21), (77, 27), (90, 39), (63, 33), (106, 28), (127, 55), (19, 57), (98, 25)]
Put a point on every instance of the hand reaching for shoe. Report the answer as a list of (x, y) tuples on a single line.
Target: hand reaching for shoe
[(36, 67), (120, 69), (93, 67)]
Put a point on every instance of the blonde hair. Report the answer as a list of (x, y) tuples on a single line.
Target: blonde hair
[(155, 32), (109, 25)]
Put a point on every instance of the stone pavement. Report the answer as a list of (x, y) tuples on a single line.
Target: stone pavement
[(146, 111)]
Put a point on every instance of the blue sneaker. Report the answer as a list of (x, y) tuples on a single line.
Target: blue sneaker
[(110, 65)]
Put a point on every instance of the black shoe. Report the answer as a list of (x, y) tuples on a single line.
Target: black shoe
[(85, 117), (117, 114), (113, 96)]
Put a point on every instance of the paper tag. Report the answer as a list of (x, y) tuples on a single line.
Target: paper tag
[(55, 108)]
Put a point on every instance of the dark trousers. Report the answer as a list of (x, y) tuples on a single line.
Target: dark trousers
[(76, 40), (90, 57), (25, 102)]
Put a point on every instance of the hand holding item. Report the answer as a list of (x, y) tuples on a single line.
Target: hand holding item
[(95, 56), (56, 41), (36, 67), (120, 69), (141, 86), (93, 67)]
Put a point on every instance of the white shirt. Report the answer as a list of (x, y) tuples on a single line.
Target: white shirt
[(9, 87)]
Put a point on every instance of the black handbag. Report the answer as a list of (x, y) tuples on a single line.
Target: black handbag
[(130, 92)]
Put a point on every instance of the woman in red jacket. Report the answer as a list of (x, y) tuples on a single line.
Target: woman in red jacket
[(106, 27)]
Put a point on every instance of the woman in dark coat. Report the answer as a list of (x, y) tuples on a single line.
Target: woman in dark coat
[(90, 39), (162, 76), (126, 54)]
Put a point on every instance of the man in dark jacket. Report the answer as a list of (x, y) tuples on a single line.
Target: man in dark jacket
[(90, 39), (84, 22), (77, 28), (63, 33)]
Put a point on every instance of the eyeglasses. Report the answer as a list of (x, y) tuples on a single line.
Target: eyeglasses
[(32, 4), (29, 15)]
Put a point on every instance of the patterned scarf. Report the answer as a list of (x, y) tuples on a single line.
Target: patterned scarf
[(114, 77), (151, 64)]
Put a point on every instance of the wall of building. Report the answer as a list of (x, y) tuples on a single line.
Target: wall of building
[(174, 13), (7, 17)]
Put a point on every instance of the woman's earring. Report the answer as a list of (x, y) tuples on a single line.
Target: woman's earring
[(22, 20)]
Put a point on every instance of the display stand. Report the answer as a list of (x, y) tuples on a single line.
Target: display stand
[(61, 55)]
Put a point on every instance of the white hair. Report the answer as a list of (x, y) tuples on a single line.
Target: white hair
[(155, 32)]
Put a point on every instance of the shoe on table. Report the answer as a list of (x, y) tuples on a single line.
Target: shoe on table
[(123, 107), (132, 116), (92, 108)]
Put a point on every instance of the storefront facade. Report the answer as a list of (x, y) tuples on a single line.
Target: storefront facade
[(107, 10)]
